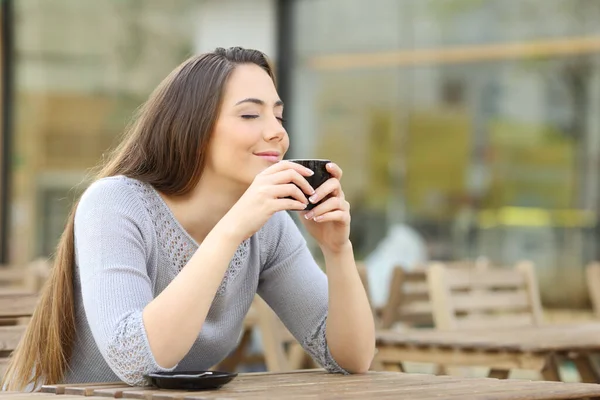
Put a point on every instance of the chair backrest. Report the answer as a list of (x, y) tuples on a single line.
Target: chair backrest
[(592, 273), (9, 338), (408, 300), (16, 308), (16, 303), (484, 298), (27, 277)]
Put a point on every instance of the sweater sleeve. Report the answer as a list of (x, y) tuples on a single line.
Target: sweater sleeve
[(112, 243), (294, 286)]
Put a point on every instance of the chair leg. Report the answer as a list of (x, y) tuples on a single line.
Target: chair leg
[(550, 371), (440, 369), (394, 367), (585, 368), (296, 356), (499, 373)]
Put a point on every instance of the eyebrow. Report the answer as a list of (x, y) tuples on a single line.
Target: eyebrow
[(278, 103)]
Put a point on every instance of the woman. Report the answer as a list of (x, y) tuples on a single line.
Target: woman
[(163, 254)]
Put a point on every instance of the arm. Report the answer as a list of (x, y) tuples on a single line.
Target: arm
[(136, 333), (294, 286), (349, 311)]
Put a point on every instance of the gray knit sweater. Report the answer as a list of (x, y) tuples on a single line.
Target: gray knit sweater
[(129, 247)]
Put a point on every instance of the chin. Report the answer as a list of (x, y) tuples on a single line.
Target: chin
[(246, 180), (255, 170), (245, 174)]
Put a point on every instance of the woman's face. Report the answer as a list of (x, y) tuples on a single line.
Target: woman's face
[(249, 134)]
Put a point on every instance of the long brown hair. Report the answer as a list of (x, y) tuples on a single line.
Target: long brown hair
[(165, 146)]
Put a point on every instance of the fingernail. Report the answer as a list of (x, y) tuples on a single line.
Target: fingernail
[(317, 219), (309, 215), (330, 165), (313, 198), (310, 171)]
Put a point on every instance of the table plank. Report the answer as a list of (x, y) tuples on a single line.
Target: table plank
[(88, 390), (462, 357), (117, 392), (38, 396), (572, 337), (60, 388), (318, 384)]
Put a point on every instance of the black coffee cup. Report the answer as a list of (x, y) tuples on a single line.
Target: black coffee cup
[(320, 176)]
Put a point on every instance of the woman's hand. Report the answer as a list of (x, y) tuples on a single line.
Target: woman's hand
[(279, 187), (329, 222)]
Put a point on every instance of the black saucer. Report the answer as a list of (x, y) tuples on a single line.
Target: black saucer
[(189, 380)]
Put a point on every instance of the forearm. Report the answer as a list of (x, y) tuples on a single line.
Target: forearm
[(174, 318), (350, 326)]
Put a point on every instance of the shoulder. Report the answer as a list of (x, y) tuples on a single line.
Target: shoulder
[(117, 195), (108, 191)]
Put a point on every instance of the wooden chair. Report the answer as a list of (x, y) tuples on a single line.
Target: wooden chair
[(29, 277), (592, 274), (495, 297), (19, 287), (16, 307), (408, 302), (9, 339), (485, 298), (15, 303), (409, 305)]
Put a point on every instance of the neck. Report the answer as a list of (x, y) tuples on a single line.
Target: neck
[(199, 211)]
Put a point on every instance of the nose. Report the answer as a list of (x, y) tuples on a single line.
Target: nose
[(274, 131)]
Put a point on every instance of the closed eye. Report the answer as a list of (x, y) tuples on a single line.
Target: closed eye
[(248, 116)]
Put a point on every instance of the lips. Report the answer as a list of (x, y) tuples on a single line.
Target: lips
[(268, 154), (271, 156)]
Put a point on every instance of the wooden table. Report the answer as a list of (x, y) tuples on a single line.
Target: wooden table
[(533, 348), (313, 384)]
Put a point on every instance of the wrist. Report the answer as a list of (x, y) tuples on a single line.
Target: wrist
[(338, 251), (229, 231)]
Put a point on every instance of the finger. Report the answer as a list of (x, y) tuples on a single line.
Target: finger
[(289, 190), (334, 216), (287, 165), (292, 176), (289, 204), (331, 204), (334, 170), (331, 187)]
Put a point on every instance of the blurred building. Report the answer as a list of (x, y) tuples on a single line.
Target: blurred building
[(472, 121)]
